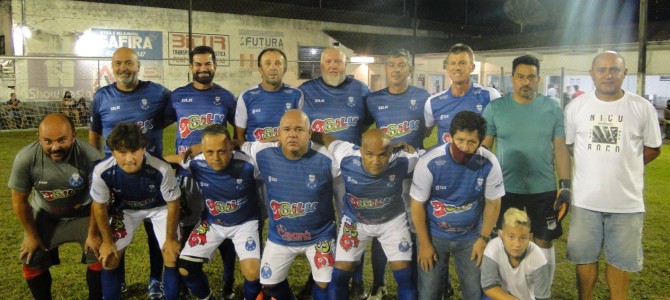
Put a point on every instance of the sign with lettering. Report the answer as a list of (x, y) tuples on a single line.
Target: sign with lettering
[(147, 44), (261, 39), (178, 47)]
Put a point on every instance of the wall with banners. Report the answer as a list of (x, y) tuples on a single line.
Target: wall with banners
[(95, 30)]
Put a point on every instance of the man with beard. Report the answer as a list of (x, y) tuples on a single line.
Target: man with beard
[(533, 156), (194, 107), (55, 169), (463, 94), (455, 192), (143, 103), (335, 104)]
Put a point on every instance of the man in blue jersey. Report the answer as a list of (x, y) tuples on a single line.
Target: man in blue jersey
[(463, 184), (227, 183), (463, 94), (139, 186), (260, 108), (533, 156), (373, 208), (194, 107), (398, 111), (53, 172), (334, 102), (143, 103), (299, 178)]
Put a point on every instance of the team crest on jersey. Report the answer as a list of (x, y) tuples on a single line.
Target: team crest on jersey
[(266, 271), (312, 182), (199, 234), (145, 103), (75, 180), (412, 104), (239, 184), (217, 100), (391, 182), (288, 106), (404, 245), (349, 237), (440, 209), (324, 255), (118, 226), (351, 101), (480, 108), (480, 184), (250, 244), (551, 223)]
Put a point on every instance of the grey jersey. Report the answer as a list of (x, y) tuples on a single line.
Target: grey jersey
[(58, 188)]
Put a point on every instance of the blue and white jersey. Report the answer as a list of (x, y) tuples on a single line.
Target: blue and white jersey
[(259, 111), (195, 109), (230, 195), (145, 106), (456, 192), (372, 199), (400, 115), (339, 111), (299, 193), (151, 187), (442, 107)]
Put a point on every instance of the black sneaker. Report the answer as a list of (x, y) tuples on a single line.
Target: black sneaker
[(357, 291), (124, 287)]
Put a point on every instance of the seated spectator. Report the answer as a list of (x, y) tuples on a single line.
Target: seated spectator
[(15, 112), (69, 107), (666, 119), (513, 266), (83, 111)]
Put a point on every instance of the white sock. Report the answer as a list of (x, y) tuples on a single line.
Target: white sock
[(550, 255)]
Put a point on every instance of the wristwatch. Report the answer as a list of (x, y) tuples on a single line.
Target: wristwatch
[(484, 238)]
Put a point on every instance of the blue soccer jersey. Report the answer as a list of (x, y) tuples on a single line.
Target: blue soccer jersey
[(442, 107), (372, 199), (456, 192), (230, 195), (259, 111), (299, 193), (154, 184), (339, 111), (400, 116), (145, 106), (195, 109)]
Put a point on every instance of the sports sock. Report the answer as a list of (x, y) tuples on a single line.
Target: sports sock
[(228, 254), (337, 289), (357, 275), (111, 283), (40, 286), (198, 284), (171, 283), (319, 293), (406, 287), (281, 291), (378, 264), (155, 254), (94, 284), (550, 255), (251, 289)]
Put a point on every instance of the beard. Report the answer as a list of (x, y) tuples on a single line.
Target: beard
[(128, 80), (203, 80), (333, 80)]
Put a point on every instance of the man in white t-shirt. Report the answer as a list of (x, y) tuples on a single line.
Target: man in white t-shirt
[(612, 135)]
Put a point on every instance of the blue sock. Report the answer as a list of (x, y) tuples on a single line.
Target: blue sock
[(251, 288), (281, 291), (406, 287), (171, 283), (378, 264), (111, 283), (198, 284), (319, 293), (358, 271), (338, 289)]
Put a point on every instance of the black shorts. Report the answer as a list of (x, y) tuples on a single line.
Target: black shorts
[(540, 210)]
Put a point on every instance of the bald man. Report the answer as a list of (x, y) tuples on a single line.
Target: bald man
[(604, 126), (55, 169), (299, 178), (373, 208), (143, 103)]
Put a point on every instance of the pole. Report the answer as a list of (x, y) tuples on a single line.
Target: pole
[(642, 48)]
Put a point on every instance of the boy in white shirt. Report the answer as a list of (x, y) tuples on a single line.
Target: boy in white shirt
[(513, 266)]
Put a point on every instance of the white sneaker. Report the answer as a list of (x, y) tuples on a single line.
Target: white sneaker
[(378, 294)]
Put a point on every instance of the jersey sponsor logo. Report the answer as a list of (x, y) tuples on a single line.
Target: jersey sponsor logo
[(382, 107), (272, 179), (440, 209), (145, 126), (57, 194), (199, 234), (186, 100), (293, 236), (349, 237), (135, 204), (367, 203), (255, 111), (401, 129), (250, 244), (352, 180), (443, 117), (317, 100), (333, 124), (265, 133), (404, 245), (198, 122), (282, 210), (113, 108), (324, 255), (266, 271), (219, 207)]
